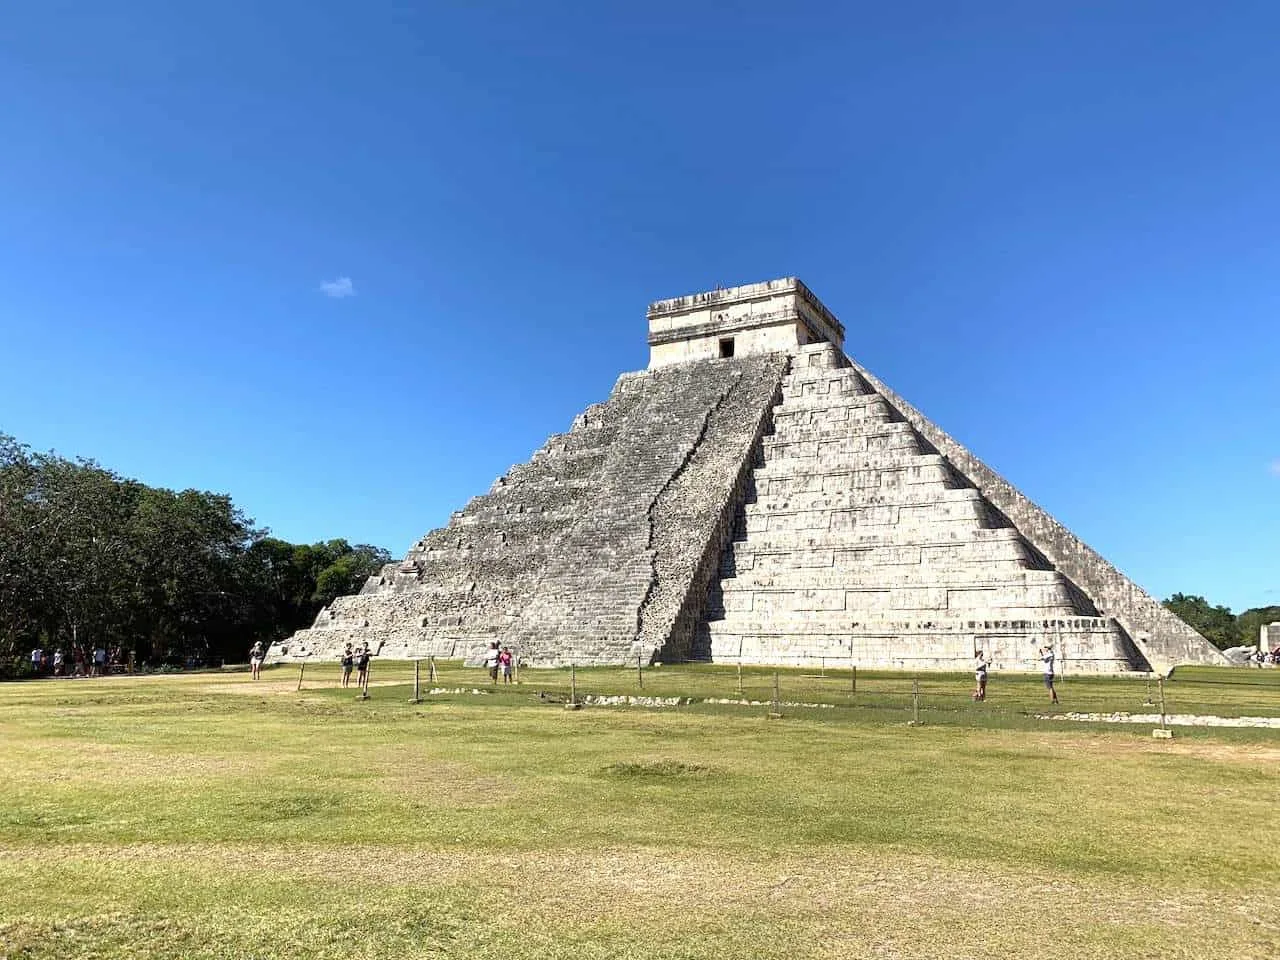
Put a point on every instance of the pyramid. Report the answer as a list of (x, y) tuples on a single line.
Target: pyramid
[(755, 496)]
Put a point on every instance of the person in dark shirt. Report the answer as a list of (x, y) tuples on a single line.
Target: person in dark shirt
[(1046, 658), (362, 666), (348, 662)]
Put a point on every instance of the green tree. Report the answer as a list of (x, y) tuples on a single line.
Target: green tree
[(1217, 624), (348, 572), (1249, 624), (88, 558)]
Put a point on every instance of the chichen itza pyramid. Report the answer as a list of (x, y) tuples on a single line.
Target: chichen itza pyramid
[(755, 496)]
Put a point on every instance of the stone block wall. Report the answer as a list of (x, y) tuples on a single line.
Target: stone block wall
[(1159, 636)]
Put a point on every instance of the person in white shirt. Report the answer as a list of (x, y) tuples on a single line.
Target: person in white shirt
[(256, 655), (1046, 657), (980, 667), (491, 661)]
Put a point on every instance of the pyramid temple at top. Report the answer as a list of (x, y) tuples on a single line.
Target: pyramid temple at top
[(755, 496)]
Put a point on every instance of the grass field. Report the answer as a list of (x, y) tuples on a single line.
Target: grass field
[(207, 815)]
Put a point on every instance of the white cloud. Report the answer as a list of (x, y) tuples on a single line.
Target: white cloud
[(342, 287), (1274, 467)]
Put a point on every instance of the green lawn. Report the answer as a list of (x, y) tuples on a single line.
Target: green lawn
[(210, 816)]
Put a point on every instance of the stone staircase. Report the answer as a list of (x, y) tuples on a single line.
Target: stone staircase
[(858, 542)]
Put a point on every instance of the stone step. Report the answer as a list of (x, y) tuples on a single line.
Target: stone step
[(842, 625), (891, 560), (1004, 600), (932, 476), (780, 612), (938, 533), (792, 429), (819, 356), (985, 575), (1095, 648), (832, 449), (834, 408), (939, 554), (829, 383), (758, 519), (780, 467), (851, 499)]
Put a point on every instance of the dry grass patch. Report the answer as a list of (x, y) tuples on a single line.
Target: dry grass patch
[(823, 903), (109, 763), (413, 772), (161, 818)]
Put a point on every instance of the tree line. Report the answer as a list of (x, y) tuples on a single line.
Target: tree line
[(1218, 624), (89, 558)]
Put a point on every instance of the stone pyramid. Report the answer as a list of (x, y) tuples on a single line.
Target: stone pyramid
[(755, 496)]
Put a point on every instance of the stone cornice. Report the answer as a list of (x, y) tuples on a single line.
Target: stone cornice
[(731, 325), (767, 290)]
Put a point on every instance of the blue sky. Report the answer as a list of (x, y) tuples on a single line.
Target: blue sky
[(1052, 227)]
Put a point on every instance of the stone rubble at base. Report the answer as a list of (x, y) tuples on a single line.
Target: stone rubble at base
[(755, 496), (1172, 720)]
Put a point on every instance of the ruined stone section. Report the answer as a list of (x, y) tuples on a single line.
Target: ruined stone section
[(620, 580), (692, 520), (597, 550), (1162, 638), (1270, 638), (466, 584)]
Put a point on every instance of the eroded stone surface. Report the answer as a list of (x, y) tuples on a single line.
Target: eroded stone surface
[(598, 550)]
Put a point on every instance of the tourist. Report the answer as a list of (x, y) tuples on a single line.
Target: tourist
[(99, 661), (1046, 657), (491, 658), (57, 663), (505, 660), (37, 661), (981, 664), (362, 667), (256, 656), (348, 661)]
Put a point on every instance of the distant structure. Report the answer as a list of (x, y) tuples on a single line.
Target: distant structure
[(1270, 639), (755, 496)]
